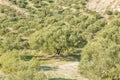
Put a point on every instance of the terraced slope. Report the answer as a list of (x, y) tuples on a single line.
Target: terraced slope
[(9, 4)]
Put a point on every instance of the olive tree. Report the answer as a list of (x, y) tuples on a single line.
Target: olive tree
[(57, 39)]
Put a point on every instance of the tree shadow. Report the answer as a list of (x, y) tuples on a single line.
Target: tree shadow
[(70, 57), (60, 79), (75, 56), (48, 68), (26, 57)]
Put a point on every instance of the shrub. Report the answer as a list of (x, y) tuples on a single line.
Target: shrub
[(109, 12), (100, 60), (17, 69), (96, 26), (100, 57), (27, 75)]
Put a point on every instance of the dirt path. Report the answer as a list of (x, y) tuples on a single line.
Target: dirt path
[(63, 71), (7, 3)]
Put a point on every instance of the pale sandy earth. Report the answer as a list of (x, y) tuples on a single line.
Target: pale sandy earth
[(67, 70), (102, 5)]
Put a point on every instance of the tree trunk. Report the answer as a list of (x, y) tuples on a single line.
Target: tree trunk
[(58, 51)]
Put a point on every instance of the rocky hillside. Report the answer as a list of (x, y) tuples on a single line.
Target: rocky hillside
[(103, 5)]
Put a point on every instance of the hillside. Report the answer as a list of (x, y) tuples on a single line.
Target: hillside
[(59, 40)]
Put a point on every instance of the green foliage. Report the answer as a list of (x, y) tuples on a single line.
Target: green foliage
[(56, 39), (100, 57), (83, 2), (7, 11), (7, 60), (17, 69), (96, 26), (27, 75), (11, 62), (111, 32), (58, 27), (21, 3), (100, 60), (109, 12)]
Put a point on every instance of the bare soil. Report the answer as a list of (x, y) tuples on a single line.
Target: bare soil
[(102, 5), (63, 71)]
